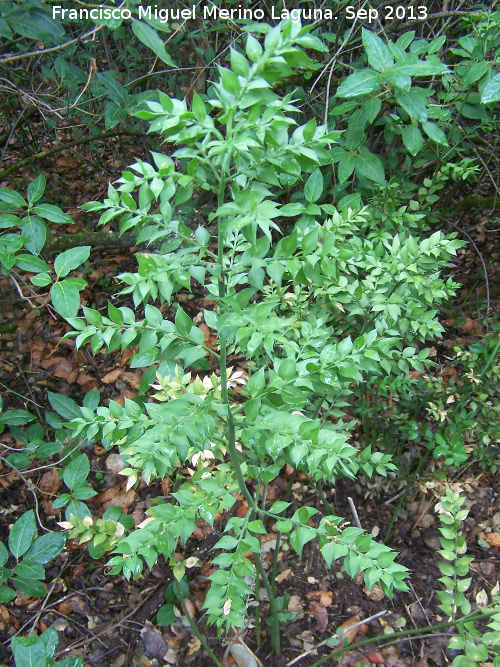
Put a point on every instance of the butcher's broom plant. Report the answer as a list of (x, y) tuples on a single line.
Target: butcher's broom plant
[(303, 301)]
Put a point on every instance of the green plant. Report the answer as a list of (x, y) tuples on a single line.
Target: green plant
[(344, 295), (31, 553), (39, 651), (477, 645), (32, 236)]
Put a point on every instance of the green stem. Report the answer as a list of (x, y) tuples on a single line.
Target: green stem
[(231, 429), (194, 627), (278, 536), (403, 633)]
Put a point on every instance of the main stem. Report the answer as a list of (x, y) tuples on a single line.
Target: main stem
[(231, 431)]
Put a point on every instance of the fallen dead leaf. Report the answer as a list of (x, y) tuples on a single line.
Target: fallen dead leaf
[(325, 598), (116, 497), (283, 575), (320, 614), (376, 593), (113, 376), (350, 634), (295, 604), (493, 539), (50, 482), (375, 657)]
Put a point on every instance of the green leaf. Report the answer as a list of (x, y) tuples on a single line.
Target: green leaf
[(346, 167), (378, 54), (29, 587), (35, 231), (46, 548), (22, 534), (65, 299), (76, 473), (30, 570), (7, 594), (359, 83), (4, 554), (412, 139), (41, 279), (183, 322), (491, 91), (16, 417), (165, 615), (71, 259), (435, 133), (31, 263), (28, 651), (12, 197), (413, 102), (64, 406), (198, 108), (53, 214), (368, 165), (149, 37), (36, 189), (313, 188)]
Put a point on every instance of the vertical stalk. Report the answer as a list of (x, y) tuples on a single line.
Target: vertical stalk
[(231, 430)]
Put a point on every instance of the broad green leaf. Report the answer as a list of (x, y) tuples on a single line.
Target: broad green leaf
[(35, 230), (12, 197), (413, 102), (368, 165), (65, 299), (76, 473), (4, 554), (22, 534), (30, 587), (313, 188), (346, 167), (64, 405), (36, 189), (7, 594), (198, 108), (31, 263), (491, 91), (148, 36), (378, 54), (115, 90), (16, 417), (53, 214), (71, 259), (29, 651), (434, 132), (370, 109), (29, 570), (46, 548), (183, 322), (359, 83), (41, 279), (412, 139)]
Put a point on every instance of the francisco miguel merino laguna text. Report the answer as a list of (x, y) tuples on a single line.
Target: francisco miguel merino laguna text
[(208, 11)]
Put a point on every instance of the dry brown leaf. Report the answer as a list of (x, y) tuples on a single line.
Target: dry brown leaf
[(350, 634), (376, 593), (50, 482), (320, 614), (112, 376), (493, 539), (116, 497), (325, 598), (295, 604), (283, 575), (375, 657)]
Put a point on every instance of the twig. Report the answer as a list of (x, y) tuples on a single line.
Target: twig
[(193, 625), (354, 512), (351, 627)]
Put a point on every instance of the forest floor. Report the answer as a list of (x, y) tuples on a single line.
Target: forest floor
[(108, 619)]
